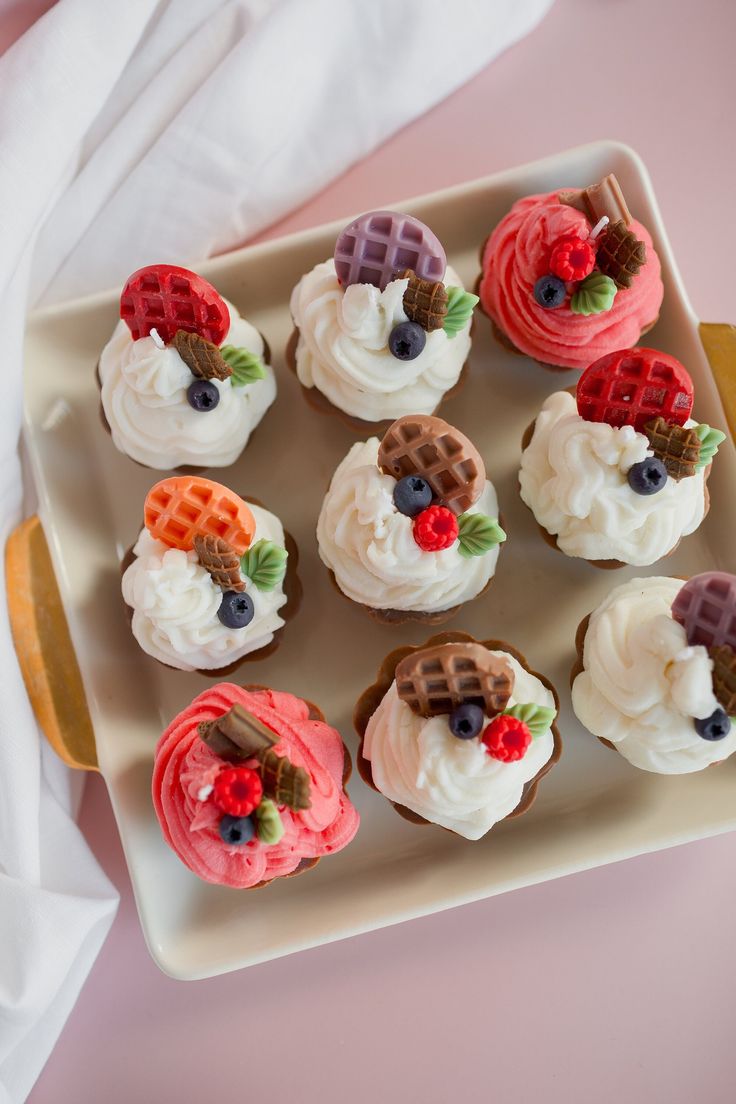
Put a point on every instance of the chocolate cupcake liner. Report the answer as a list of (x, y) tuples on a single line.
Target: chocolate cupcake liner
[(371, 698), (292, 589), (182, 469), (605, 565), (319, 402), (315, 714)]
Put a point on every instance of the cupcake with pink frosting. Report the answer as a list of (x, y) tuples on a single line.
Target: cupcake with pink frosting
[(570, 276), (249, 786)]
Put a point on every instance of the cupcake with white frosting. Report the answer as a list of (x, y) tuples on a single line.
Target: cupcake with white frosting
[(383, 328), (211, 579), (184, 379), (616, 473), (457, 733), (655, 676), (409, 525)]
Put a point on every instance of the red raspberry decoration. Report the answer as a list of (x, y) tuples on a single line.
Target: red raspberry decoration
[(506, 738), (633, 386), (435, 528), (572, 259), (166, 298), (238, 790)]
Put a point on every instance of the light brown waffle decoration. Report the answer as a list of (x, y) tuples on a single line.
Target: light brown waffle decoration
[(436, 680), (236, 735), (283, 782), (620, 254), (677, 447), (420, 444), (425, 301), (724, 676), (221, 560), (203, 359), (605, 198)]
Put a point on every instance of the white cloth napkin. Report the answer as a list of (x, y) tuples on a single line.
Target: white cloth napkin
[(135, 131)]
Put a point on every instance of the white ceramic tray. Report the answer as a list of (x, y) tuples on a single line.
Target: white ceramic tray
[(592, 809)]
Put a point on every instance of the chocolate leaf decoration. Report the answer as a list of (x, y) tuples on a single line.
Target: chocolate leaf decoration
[(270, 827), (460, 305), (265, 564), (537, 718), (247, 366), (478, 534), (710, 439), (594, 295)]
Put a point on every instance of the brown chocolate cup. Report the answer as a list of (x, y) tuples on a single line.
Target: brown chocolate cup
[(606, 565), (322, 404), (292, 590), (371, 698), (182, 469)]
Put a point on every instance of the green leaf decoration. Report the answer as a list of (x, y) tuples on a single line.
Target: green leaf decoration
[(594, 294), (460, 305), (247, 367), (265, 564), (270, 828), (710, 439), (478, 534), (537, 718)]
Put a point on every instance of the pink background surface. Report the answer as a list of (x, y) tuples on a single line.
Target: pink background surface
[(609, 986)]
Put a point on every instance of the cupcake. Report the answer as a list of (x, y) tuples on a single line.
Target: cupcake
[(458, 733), (655, 676), (409, 525), (570, 276), (249, 786), (184, 379), (211, 578), (382, 329), (616, 473)]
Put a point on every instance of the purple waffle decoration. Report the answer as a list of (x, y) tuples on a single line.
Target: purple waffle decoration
[(376, 247), (706, 608)]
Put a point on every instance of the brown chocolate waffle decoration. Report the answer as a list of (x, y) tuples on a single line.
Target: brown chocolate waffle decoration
[(724, 676), (605, 198), (203, 359), (237, 735), (221, 560), (677, 447), (425, 301), (420, 444), (620, 254), (436, 680)]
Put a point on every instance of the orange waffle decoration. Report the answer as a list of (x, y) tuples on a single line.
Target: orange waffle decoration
[(182, 507)]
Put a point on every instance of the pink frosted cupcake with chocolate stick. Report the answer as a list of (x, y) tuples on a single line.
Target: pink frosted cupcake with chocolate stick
[(249, 786), (570, 276)]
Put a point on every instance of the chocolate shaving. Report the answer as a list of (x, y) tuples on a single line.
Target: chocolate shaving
[(221, 560), (724, 676), (202, 357), (620, 254), (237, 735), (425, 301), (283, 782), (605, 198), (677, 447)]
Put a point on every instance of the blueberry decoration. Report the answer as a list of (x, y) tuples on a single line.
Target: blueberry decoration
[(412, 494), (714, 727), (236, 830), (406, 340), (550, 292), (648, 476), (236, 609), (203, 395), (466, 721)]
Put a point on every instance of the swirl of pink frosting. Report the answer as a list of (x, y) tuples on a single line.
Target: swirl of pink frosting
[(517, 254), (185, 768)]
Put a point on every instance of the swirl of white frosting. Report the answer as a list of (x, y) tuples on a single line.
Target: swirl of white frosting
[(175, 604), (643, 685), (343, 348), (417, 762), (371, 549), (573, 478), (144, 396)]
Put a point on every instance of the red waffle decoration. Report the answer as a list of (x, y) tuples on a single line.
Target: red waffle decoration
[(166, 298), (633, 386)]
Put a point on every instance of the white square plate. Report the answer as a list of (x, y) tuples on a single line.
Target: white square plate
[(592, 809)]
